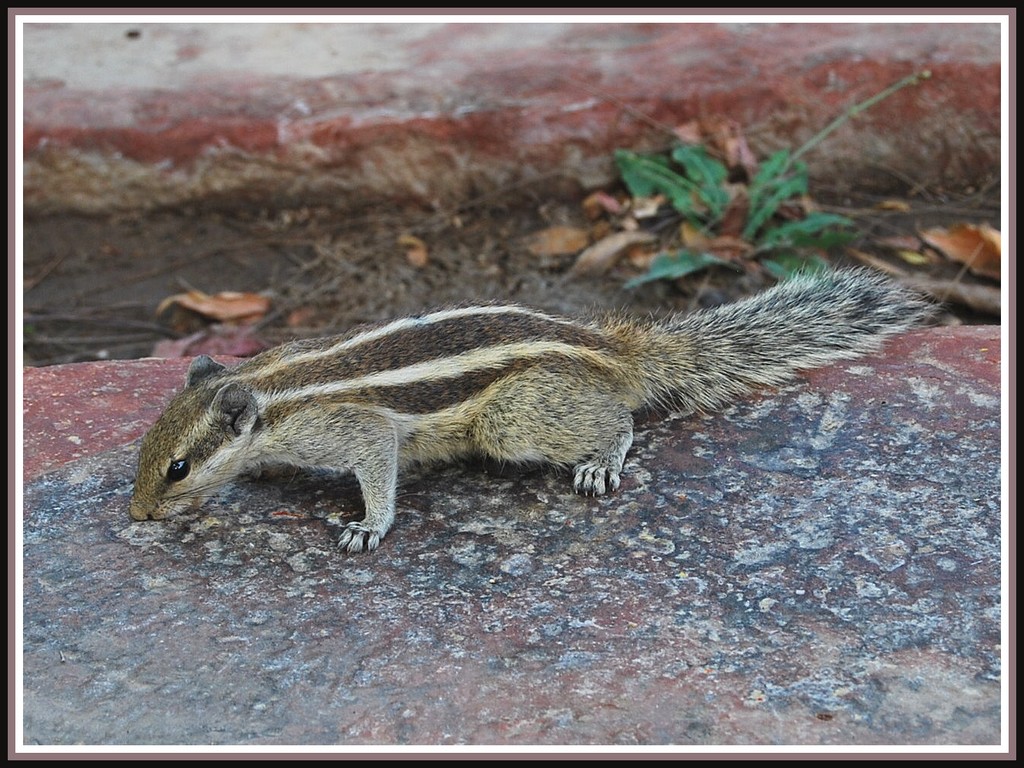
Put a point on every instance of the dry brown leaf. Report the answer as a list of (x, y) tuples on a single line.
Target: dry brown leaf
[(739, 155), (646, 207), (641, 258), (689, 132), (893, 205), (978, 246), (795, 210), (873, 261), (225, 307), (692, 236), (728, 137), (910, 249), (629, 224), (980, 298), (603, 255), (917, 258), (601, 228), (734, 219), (723, 138), (416, 252), (729, 247), (599, 203), (557, 241), (900, 242)]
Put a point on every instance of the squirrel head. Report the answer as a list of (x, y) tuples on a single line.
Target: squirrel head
[(197, 445)]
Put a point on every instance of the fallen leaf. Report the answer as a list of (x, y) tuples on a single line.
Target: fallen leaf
[(726, 247), (873, 261), (603, 255), (629, 224), (601, 228), (225, 307), (641, 258), (893, 205), (647, 207), (689, 132), (915, 257), (980, 298), (416, 252), (734, 219), (794, 210), (900, 242), (978, 246), (597, 204), (733, 144), (557, 241), (692, 236), (723, 138), (730, 248)]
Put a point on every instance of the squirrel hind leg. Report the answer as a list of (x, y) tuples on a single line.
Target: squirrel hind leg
[(587, 428)]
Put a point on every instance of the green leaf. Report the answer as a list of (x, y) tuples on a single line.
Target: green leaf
[(770, 168), (640, 173), (707, 173), (698, 195), (764, 205), (669, 266), (700, 166), (811, 231), (644, 176), (774, 183)]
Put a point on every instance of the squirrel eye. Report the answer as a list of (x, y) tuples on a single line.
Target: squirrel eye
[(178, 470)]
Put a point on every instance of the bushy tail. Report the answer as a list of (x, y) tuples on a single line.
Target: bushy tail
[(705, 359)]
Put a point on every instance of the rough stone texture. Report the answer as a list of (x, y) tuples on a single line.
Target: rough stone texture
[(140, 115), (814, 565)]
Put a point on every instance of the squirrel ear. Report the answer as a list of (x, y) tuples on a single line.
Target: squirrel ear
[(202, 367), (237, 409)]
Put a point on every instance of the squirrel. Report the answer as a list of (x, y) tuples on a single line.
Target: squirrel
[(504, 381)]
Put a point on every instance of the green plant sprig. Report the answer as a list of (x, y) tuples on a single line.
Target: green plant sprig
[(694, 183)]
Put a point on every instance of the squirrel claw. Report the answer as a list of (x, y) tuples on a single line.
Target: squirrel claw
[(595, 479), (358, 538)]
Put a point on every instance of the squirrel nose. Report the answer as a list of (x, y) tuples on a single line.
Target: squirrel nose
[(138, 512)]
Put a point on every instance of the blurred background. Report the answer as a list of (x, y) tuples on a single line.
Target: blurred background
[(193, 186)]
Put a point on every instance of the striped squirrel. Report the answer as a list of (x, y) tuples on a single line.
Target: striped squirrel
[(508, 382)]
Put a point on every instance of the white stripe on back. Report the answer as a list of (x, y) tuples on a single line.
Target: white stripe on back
[(395, 327), (433, 370)]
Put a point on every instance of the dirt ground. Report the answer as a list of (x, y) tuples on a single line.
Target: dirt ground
[(92, 285)]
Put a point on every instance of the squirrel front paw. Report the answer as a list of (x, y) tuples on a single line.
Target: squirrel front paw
[(593, 479), (357, 537)]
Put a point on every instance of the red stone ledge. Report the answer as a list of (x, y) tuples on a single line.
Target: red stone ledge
[(455, 110)]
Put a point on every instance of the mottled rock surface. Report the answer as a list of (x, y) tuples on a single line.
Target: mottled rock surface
[(815, 565)]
